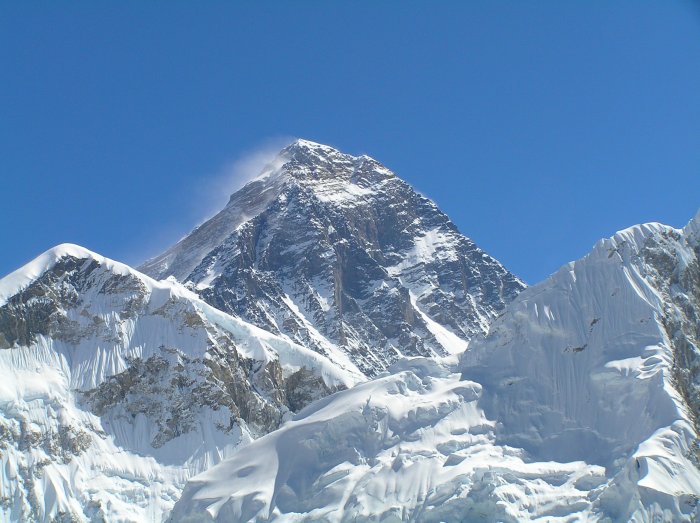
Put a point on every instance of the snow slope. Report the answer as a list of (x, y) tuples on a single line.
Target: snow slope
[(581, 404), (116, 388)]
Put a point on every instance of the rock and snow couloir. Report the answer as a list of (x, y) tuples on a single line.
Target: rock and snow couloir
[(581, 404), (342, 256)]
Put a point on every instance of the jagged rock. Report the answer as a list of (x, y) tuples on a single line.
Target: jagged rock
[(119, 387)]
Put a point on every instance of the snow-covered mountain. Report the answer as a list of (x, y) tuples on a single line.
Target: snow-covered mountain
[(581, 404), (115, 388), (338, 254), (301, 357), (118, 387)]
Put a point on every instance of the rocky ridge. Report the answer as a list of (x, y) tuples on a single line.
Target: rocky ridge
[(340, 255)]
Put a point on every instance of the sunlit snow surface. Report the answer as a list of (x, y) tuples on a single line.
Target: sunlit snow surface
[(571, 409)]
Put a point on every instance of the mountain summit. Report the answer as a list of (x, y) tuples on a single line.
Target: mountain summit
[(340, 255)]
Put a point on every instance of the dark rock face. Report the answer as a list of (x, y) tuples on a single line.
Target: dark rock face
[(170, 387), (336, 252), (41, 308), (677, 279)]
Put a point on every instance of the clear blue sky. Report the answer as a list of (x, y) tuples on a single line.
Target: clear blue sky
[(539, 127)]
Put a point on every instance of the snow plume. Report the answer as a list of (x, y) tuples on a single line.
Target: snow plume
[(209, 193), (236, 173)]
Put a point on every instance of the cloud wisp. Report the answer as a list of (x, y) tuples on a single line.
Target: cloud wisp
[(215, 191), (208, 196)]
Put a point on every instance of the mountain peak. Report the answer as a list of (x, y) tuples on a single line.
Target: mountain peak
[(305, 161), (328, 169), (692, 229), (308, 152), (337, 253), (334, 178), (300, 144), (19, 279), (130, 381)]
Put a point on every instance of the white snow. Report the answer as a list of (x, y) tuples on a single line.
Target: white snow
[(412, 445), (435, 243), (452, 343)]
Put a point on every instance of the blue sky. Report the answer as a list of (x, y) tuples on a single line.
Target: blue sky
[(538, 127)]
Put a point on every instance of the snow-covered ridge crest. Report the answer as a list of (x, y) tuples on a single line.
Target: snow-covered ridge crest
[(25, 275), (117, 387), (15, 282), (601, 363)]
